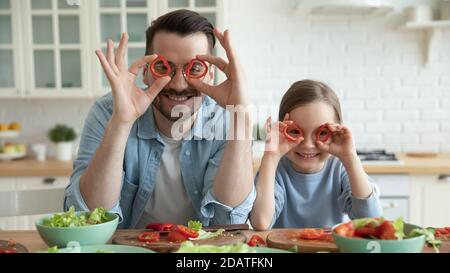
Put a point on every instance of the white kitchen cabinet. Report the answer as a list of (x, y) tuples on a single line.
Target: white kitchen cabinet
[(394, 194), (10, 47), (47, 46), (13, 184), (430, 200)]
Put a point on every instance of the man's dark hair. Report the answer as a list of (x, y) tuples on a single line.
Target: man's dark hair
[(183, 22)]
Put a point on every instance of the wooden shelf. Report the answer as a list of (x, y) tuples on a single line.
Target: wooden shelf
[(433, 30)]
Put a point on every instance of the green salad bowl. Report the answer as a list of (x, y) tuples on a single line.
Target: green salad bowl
[(85, 235), (357, 245)]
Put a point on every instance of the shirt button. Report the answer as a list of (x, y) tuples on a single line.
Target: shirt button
[(188, 153), (196, 192)]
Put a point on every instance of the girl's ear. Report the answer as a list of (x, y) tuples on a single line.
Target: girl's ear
[(211, 73), (286, 117), (144, 76)]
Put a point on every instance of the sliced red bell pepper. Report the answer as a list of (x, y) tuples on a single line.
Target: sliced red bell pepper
[(149, 237), (176, 237), (386, 231), (257, 241), (293, 132), (159, 74), (311, 233), (345, 230), (159, 226), (187, 71), (186, 232), (8, 250), (323, 133)]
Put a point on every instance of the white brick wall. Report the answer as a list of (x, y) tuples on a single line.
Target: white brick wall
[(389, 99)]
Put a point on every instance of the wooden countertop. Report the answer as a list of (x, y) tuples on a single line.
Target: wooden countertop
[(439, 164), (32, 167)]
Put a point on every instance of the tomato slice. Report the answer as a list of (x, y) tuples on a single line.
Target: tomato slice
[(159, 226), (311, 233), (186, 232), (175, 237), (149, 237), (293, 132), (257, 241)]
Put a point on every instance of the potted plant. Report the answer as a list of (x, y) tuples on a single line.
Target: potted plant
[(63, 136)]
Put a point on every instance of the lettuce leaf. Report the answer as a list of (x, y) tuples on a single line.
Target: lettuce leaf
[(189, 247)]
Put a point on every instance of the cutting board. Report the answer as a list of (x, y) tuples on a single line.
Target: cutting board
[(288, 238), (129, 237), (13, 245)]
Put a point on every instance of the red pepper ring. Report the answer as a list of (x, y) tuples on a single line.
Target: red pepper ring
[(323, 133), (191, 64), (293, 128), (149, 237), (157, 74)]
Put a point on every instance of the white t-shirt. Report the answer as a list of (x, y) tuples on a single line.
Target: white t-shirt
[(169, 202)]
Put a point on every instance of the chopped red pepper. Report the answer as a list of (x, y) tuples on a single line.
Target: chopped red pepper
[(8, 250), (293, 132), (345, 230), (311, 233), (175, 237), (186, 232), (256, 240), (149, 237), (159, 226), (323, 133)]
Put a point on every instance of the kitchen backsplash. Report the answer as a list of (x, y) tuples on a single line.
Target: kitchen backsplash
[(390, 99)]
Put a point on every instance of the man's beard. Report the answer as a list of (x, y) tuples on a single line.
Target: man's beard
[(193, 96)]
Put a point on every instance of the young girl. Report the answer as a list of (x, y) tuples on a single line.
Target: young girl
[(310, 174)]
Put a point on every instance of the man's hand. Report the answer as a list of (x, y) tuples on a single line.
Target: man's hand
[(233, 90), (130, 102)]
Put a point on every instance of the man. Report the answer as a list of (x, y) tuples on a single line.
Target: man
[(129, 160)]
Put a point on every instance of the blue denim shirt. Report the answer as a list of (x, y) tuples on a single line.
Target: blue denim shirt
[(200, 158)]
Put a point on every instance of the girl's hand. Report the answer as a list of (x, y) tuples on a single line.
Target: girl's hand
[(341, 144), (276, 142)]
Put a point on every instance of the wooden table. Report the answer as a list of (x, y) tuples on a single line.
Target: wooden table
[(32, 240)]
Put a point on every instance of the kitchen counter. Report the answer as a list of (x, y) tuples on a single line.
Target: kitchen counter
[(439, 164), (32, 167), (32, 240)]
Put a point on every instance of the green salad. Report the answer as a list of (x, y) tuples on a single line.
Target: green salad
[(71, 219), (202, 234)]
